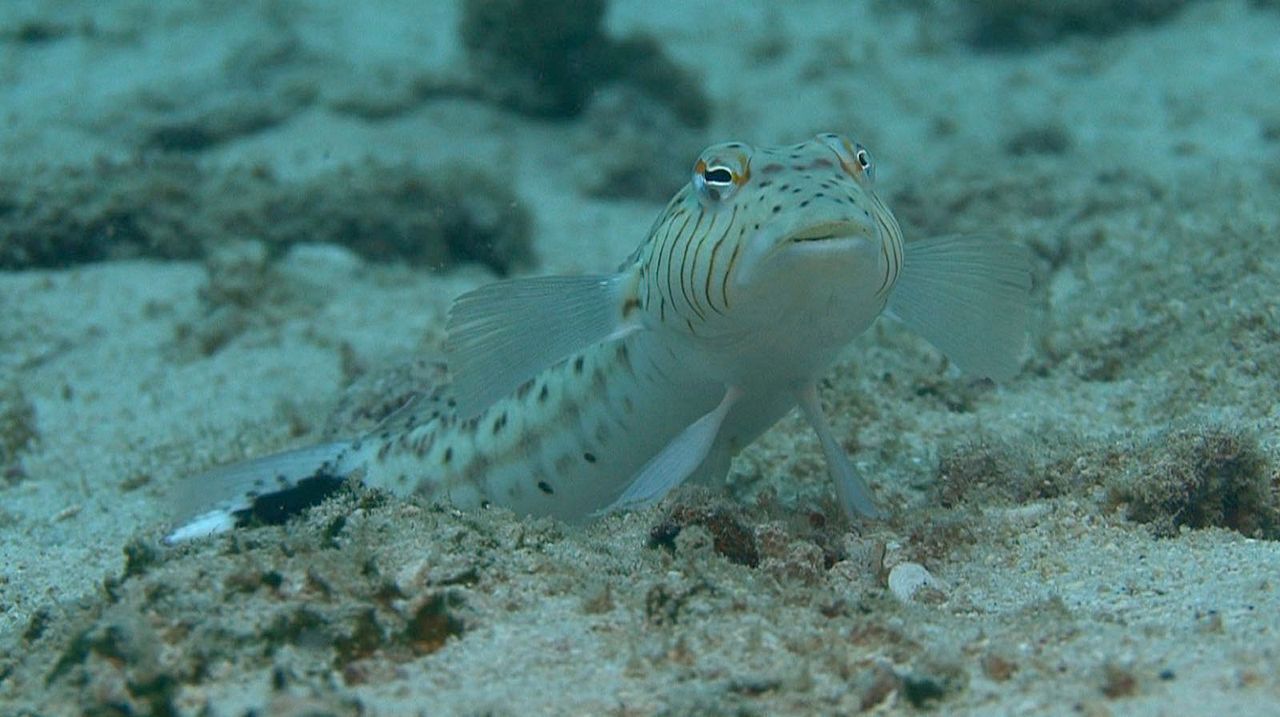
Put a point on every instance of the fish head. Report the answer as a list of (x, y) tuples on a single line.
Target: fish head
[(804, 223)]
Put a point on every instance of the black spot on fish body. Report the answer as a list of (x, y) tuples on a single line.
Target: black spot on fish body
[(448, 455), (545, 487), (542, 395), (277, 507), (589, 457), (499, 423)]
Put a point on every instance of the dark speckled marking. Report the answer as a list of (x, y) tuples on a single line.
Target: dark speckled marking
[(448, 455), (578, 363), (542, 395), (499, 423), (589, 457), (545, 487), (424, 443), (477, 467), (564, 463)]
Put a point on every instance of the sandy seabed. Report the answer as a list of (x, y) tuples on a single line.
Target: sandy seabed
[(1100, 532)]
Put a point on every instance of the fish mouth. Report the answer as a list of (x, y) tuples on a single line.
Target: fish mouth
[(830, 231)]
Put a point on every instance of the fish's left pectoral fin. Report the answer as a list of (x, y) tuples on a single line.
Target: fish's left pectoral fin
[(505, 333), (677, 461), (851, 488), (970, 297)]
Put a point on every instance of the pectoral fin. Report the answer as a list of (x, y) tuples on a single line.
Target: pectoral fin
[(969, 296), (851, 489), (505, 333), (677, 461)]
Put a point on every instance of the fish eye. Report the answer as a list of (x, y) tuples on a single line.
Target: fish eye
[(854, 158), (863, 158), (714, 182), (717, 176)]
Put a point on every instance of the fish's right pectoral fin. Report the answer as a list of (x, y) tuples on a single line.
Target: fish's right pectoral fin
[(505, 333), (970, 297), (677, 461)]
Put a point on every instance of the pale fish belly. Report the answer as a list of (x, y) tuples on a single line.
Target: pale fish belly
[(566, 444)]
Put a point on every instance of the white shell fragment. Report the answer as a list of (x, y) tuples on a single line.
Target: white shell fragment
[(910, 582)]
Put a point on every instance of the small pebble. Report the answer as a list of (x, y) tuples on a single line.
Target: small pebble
[(910, 582)]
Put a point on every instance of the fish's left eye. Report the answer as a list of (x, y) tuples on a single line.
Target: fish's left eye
[(863, 158), (854, 158)]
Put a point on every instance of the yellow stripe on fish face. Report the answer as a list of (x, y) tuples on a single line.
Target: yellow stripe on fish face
[(737, 192)]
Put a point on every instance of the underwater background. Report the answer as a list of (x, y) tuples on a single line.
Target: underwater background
[(232, 227)]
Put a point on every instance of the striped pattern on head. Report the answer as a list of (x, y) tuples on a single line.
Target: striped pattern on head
[(802, 192)]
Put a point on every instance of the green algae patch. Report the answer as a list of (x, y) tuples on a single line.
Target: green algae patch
[(168, 207), (17, 431), (1206, 477), (548, 58)]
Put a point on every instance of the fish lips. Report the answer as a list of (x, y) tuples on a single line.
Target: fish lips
[(765, 253)]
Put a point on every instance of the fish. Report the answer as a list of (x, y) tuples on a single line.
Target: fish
[(577, 396)]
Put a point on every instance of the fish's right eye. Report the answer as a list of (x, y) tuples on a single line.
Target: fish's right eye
[(717, 176), (715, 181)]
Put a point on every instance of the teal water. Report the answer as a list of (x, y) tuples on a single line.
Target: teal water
[(232, 228)]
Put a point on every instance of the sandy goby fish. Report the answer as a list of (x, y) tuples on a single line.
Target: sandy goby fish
[(576, 395)]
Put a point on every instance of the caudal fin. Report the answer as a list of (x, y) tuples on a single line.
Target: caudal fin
[(970, 297), (266, 490)]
